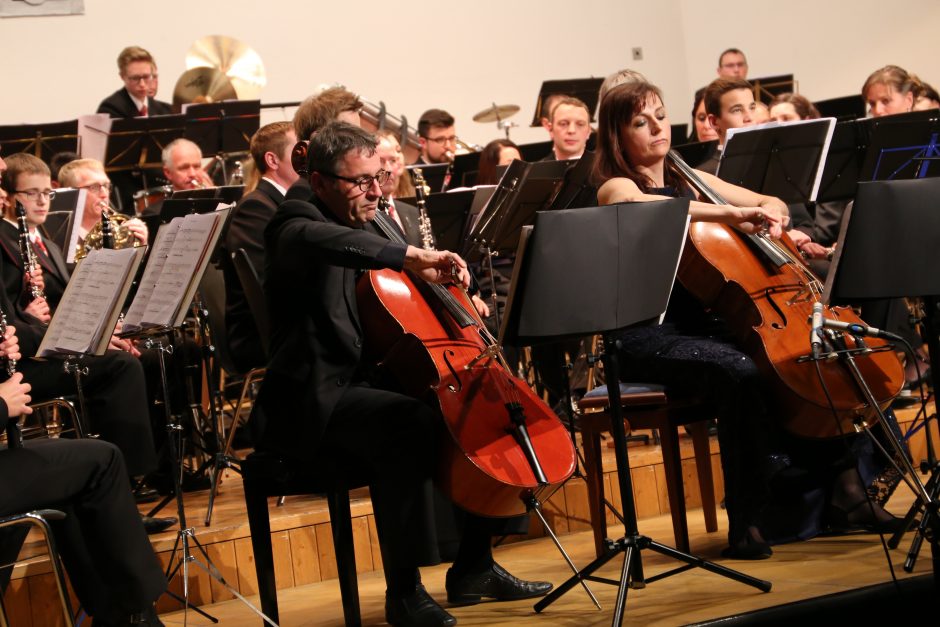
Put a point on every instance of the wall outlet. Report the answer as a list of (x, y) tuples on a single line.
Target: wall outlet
[(638, 54)]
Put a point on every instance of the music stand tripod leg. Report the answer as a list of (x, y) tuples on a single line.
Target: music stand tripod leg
[(632, 543), (186, 533)]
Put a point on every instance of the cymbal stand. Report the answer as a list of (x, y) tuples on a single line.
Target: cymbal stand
[(632, 543), (186, 537)]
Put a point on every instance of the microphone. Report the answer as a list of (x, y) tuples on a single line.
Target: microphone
[(815, 334), (856, 329)]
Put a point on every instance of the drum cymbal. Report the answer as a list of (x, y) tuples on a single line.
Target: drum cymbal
[(202, 84), (496, 113), (238, 62)]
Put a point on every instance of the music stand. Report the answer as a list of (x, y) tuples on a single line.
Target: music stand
[(450, 216), (222, 127), (40, 140), (576, 189), (633, 252), (138, 143), (584, 89), (892, 254), (696, 152), (782, 160), (464, 173), (842, 108), (902, 147), (767, 87), (433, 173), (535, 151)]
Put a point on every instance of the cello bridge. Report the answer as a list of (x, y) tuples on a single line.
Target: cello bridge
[(490, 352)]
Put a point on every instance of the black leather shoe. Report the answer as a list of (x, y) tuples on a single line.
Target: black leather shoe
[(417, 610), (493, 583), (156, 525)]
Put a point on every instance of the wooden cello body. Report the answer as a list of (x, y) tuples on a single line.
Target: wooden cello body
[(764, 292), (439, 354)]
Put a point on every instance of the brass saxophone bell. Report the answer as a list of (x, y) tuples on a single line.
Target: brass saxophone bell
[(95, 238)]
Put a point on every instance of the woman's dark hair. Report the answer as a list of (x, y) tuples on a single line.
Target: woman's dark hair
[(489, 159), (699, 96), (801, 104), (618, 108)]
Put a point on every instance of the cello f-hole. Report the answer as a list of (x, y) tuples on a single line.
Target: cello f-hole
[(450, 386)]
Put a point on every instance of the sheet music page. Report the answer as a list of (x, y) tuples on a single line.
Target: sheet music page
[(822, 159), (189, 247), (93, 130), (77, 215), (90, 296), (166, 235)]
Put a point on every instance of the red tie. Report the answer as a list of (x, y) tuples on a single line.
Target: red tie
[(41, 247), (394, 216), (143, 111)]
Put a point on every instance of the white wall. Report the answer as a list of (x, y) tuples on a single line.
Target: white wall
[(411, 54), (417, 54)]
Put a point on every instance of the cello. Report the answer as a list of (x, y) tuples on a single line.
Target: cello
[(504, 446), (762, 289)]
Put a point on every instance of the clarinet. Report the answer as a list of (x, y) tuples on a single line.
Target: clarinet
[(14, 435), (424, 222), (27, 254), (107, 230)]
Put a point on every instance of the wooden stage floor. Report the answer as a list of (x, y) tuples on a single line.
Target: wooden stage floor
[(798, 571)]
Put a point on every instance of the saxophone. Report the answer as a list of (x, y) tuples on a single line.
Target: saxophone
[(27, 254), (424, 222)]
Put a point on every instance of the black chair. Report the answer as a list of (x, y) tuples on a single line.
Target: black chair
[(266, 476)]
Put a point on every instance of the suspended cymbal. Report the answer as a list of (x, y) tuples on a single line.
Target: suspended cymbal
[(238, 62), (496, 112), (202, 84)]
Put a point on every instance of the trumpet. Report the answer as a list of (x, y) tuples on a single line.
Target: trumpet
[(110, 232)]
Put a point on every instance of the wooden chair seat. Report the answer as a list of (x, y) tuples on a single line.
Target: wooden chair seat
[(266, 476), (648, 406)]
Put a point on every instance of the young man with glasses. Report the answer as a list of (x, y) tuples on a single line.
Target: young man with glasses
[(138, 70), (437, 135), (320, 411)]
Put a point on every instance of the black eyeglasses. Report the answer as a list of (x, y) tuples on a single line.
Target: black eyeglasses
[(364, 182), (34, 194)]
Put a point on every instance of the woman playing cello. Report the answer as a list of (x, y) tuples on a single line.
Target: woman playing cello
[(690, 355)]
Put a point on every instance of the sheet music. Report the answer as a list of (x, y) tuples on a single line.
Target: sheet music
[(166, 235), (83, 312), (93, 131), (189, 247)]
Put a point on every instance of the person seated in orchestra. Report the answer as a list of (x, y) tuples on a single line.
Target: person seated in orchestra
[(315, 112), (927, 98), (58, 160), (732, 64), (89, 174), (182, 167), (547, 105), (686, 353), (729, 103), (702, 131), (138, 70), (270, 150), (390, 147), (438, 137), (496, 153), (111, 564), (789, 107), (402, 214), (320, 413), (570, 127), (889, 90)]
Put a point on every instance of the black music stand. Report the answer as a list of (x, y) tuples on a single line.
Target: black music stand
[(433, 173), (584, 89), (782, 160), (633, 251), (890, 254), (535, 151), (40, 140), (464, 173), (138, 143), (842, 108), (222, 127), (576, 189), (767, 87), (450, 215)]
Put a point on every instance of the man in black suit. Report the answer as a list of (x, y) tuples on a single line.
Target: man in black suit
[(110, 561), (321, 414), (138, 70), (270, 150), (438, 136), (569, 127)]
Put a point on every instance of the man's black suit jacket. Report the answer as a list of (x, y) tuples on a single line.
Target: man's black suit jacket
[(54, 270), (311, 265), (246, 230), (410, 221), (120, 105)]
